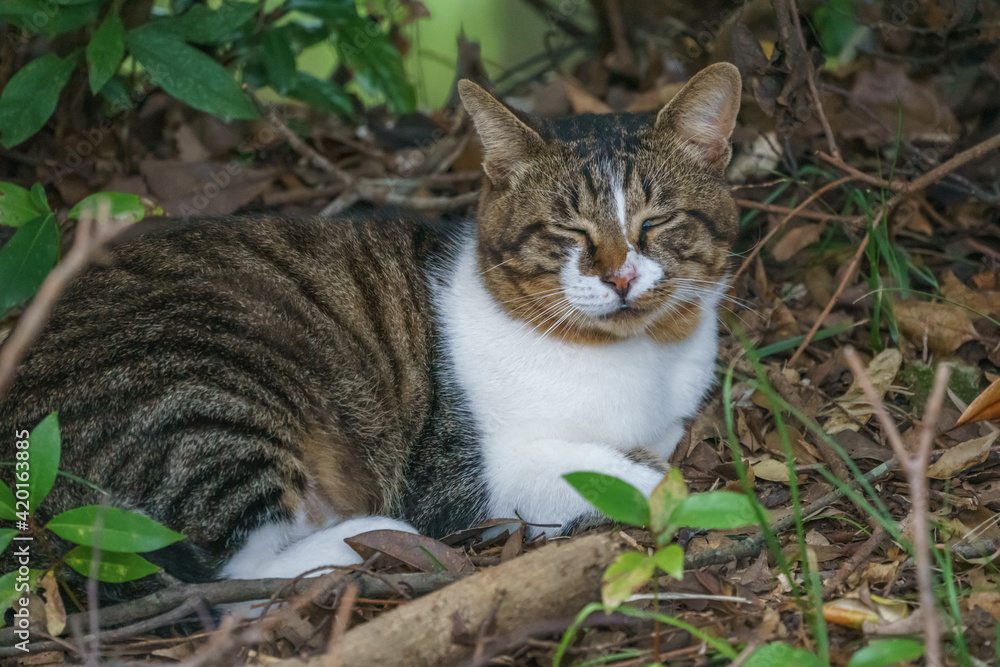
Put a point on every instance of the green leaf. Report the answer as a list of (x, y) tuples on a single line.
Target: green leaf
[(122, 205), (188, 74), (31, 96), (670, 559), (25, 261), (202, 25), (113, 568), (7, 504), (617, 499), (322, 95), (715, 510), (279, 61), (16, 205), (777, 653), (627, 573), (664, 499), (887, 652), (36, 16), (120, 529), (44, 450), (6, 535), (105, 51), (39, 199), (10, 589)]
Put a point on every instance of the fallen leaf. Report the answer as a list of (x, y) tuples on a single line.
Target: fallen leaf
[(796, 239), (941, 327), (985, 406), (987, 302), (423, 553), (853, 409), (772, 470), (988, 601), (961, 457), (208, 188), (55, 612)]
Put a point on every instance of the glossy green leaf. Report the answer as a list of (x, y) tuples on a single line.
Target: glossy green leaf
[(6, 535), (202, 25), (321, 95), (664, 499), (16, 205), (105, 51), (887, 652), (37, 17), (378, 71), (627, 573), (617, 499), (31, 96), (715, 510), (670, 559), (11, 589), (26, 259), (777, 653), (279, 61), (120, 530), (122, 205), (336, 12), (114, 567), (7, 504), (188, 74), (44, 450), (38, 198)]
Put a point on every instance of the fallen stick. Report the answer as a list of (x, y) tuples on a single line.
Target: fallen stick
[(230, 591), (556, 580)]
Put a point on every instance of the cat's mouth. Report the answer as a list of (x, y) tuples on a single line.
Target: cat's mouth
[(625, 312)]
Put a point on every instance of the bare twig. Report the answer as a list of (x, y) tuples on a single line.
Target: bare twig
[(811, 79), (915, 466), (232, 591), (791, 214), (809, 215)]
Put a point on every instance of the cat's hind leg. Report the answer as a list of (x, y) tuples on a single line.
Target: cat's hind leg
[(285, 550)]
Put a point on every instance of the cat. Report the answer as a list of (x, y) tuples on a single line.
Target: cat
[(270, 386)]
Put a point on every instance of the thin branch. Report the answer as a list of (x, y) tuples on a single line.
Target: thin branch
[(233, 591), (915, 466), (811, 79), (791, 214)]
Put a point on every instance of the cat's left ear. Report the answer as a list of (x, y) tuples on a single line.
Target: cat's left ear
[(507, 141), (703, 114)]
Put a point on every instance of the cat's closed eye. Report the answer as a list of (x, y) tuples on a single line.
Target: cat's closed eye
[(659, 221)]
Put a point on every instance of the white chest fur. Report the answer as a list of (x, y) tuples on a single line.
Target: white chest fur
[(540, 402)]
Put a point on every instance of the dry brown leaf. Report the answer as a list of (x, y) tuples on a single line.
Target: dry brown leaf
[(988, 601), (987, 302), (417, 551), (985, 406), (55, 612), (796, 239), (854, 410), (772, 470), (944, 327), (961, 457)]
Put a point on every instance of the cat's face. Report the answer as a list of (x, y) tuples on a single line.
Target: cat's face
[(601, 228)]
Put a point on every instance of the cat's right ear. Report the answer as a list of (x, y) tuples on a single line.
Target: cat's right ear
[(507, 141)]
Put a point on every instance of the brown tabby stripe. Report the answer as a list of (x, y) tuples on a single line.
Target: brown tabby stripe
[(193, 370)]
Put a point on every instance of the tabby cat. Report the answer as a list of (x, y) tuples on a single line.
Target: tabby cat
[(269, 386)]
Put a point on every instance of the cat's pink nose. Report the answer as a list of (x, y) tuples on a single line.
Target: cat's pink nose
[(621, 283)]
